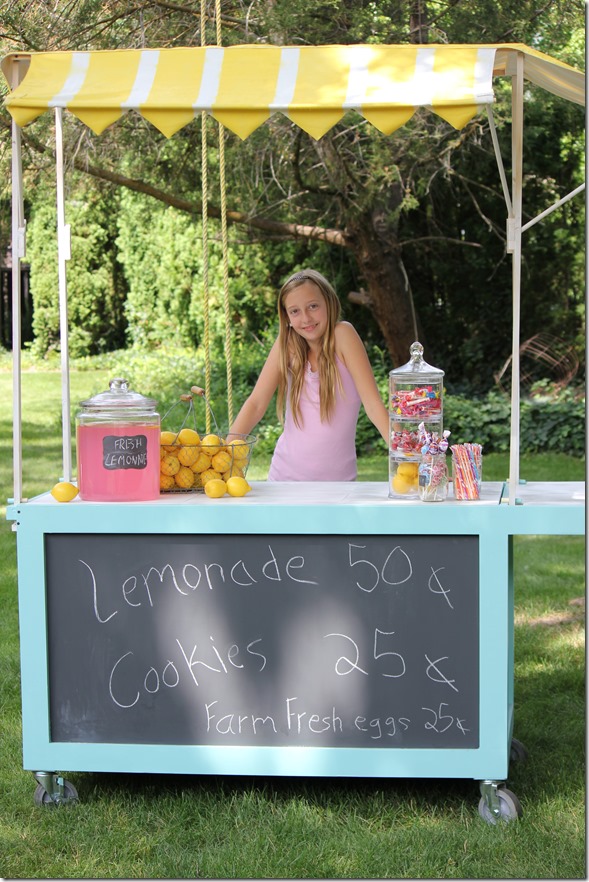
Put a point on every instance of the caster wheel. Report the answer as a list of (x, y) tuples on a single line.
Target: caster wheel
[(42, 798), (518, 752), (509, 807)]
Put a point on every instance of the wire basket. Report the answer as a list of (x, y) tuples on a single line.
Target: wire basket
[(188, 459)]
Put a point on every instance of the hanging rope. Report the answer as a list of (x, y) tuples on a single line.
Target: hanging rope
[(205, 238), (205, 232), (226, 306)]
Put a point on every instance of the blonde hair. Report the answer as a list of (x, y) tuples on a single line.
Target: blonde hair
[(294, 351)]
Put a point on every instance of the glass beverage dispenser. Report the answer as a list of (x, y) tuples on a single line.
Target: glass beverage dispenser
[(415, 397), (118, 441)]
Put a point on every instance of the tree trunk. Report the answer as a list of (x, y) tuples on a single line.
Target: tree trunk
[(388, 292)]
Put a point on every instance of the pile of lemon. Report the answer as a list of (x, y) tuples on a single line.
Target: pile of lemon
[(406, 478), (189, 462)]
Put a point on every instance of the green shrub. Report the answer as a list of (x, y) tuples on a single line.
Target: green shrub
[(554, 423), (550, 420)]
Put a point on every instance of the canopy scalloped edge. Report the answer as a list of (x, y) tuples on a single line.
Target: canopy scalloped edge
[(243, 86)]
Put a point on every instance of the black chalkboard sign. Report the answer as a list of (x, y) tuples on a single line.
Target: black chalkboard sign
[(124, 452), (326, 641)]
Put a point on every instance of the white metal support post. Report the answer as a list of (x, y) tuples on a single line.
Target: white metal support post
[(514, 244), (18, 252), (63, 255)]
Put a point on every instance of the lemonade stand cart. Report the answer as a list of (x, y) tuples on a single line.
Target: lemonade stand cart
[(307, 629)]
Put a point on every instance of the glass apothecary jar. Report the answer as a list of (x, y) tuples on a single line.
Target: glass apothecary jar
[(416, 389), (415, 400), (118, 445), (432, 483)]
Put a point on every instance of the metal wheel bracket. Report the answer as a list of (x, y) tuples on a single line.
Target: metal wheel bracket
[(489, 794), (58, 790)]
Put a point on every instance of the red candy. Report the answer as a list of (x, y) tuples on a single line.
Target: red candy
[(420, 401)]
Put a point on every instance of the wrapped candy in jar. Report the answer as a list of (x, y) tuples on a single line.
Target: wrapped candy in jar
[(416, 389), (432, 483)]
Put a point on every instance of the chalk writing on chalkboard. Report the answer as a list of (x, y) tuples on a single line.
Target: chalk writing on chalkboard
[(124, 452), (334, 641)]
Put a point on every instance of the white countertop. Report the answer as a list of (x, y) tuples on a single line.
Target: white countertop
[(358, 493)]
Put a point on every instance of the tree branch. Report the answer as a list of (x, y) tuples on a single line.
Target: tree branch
[(292, 231), (437, 239)]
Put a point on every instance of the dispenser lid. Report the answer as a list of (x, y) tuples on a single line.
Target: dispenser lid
[(417, 366), (119, 397)]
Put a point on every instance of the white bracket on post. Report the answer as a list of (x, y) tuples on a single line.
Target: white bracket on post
[(20, 245), (510, 246), (65, 242)]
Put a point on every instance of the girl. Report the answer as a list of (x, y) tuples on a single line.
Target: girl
[(321, 370)]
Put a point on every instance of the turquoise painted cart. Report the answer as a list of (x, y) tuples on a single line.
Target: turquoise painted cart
[(293, 736)]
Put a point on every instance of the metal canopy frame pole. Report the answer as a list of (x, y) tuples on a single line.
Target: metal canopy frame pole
[(552, 208), (514, 244), (64, 254), (499, 158), (18, 252)]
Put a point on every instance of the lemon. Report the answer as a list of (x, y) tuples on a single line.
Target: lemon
[(234, 471), (188, 437), (184, 478), (169, 465), (202, 463), (221, 461), (237, 486), (166, 482), (168, 440), (400, 485), (189, 455), (215, 488), (408, 469), (240, 449), (210, 475), (64, 491), (211, 444)]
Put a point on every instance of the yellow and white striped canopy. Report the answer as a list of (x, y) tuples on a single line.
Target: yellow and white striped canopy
[(242, 86)]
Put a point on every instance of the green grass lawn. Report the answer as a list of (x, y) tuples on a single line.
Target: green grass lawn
[(153, 826)]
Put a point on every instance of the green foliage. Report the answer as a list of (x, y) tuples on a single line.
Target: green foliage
[(165, 375), (42, 253), (95, 296), (550, 424), (161, 252)]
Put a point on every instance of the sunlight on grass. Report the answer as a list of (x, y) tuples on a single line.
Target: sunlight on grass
[(574, 639)]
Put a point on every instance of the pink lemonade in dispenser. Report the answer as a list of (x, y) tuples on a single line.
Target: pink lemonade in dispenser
[(116, 462), (118, 439)]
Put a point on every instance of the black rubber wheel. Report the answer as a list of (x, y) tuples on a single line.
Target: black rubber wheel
[(509, 807), (518, 752), (42, 798)]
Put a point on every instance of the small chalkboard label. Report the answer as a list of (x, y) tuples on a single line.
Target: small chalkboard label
[(329, 641), (124, 452)]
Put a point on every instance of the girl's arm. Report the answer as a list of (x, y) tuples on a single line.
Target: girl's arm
[(350, 349), (256, 404)]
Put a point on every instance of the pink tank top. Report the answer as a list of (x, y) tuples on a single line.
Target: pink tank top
[(319, 451)]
